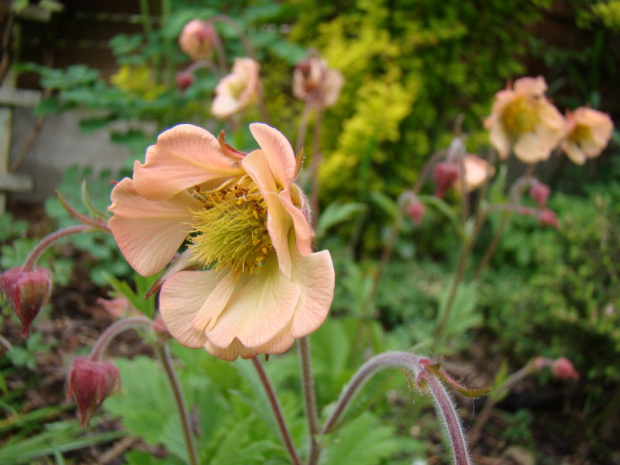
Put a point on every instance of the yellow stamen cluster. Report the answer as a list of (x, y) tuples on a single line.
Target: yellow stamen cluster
[(231, 229), (521, 116), (581, 133)]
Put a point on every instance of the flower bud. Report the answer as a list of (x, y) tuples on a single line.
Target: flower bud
[(197, 39), (184, 80), (540, 193), (563, 369), (416, 210), (27, 292), (90, 382), (315, 82), (547, 218), (446, 175)]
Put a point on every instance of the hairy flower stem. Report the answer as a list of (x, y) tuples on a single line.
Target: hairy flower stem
[(31, 261), (316, 162), (309, 398), (277, 411), (114, 330), (163, 353)]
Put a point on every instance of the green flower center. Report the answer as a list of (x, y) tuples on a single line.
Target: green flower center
[(581, 133), (231, 229), (520, 116)]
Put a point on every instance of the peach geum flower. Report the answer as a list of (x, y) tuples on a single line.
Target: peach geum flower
[(197, 39), (314, 82), (238, 90), (477, 171), (587, 134), (259, 286), (524, 120)]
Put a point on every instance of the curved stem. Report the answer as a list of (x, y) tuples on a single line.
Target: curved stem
[(163, 352), (247, 45), (277, 410), (113, 330), (31, 260), (309, 398)]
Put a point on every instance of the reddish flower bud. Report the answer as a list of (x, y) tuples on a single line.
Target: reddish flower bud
[(416, 211), (563, 369), (197, 39), (540, 193), (446, 175), (184, 80), (90, 382), (27, 292), (548, 218)]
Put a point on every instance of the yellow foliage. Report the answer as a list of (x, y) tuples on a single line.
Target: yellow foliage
[(138, 80)]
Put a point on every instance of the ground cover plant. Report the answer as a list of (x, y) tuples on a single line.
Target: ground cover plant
[(274, 207)]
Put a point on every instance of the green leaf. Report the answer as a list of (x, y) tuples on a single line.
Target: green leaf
[(337, 213), (388, 205)]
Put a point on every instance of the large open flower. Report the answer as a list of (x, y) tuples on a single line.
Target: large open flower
[(587, 133), (259, 286), (524, 120)]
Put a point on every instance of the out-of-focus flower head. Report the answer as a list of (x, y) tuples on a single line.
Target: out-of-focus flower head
[(540, 193), (547, 217), (314, 82), (27, 292), (564, 369), (587, 134), (90, 382), (477, 171), (118, 307), (416, 211), (139, 80), (446, 173), (238, 90), (260, 287), (522, 119), (197, 39), (184, 80)]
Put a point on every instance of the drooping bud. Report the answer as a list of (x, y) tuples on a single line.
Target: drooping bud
[(540, 193), (27, 292), (563, 369), (197, 39), (315, 82), (548, 218), (446, 174), (416, 211), (184, 80), (90, 382)]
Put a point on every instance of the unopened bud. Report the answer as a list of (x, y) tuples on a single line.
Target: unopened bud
[(540, 193), (90, 382), (27, 292), (563, 369), (446, 174), (416, 210), (184, 80), (197, 39), (547, 218)]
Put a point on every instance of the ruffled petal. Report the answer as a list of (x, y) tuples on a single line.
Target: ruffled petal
[(315, 275), (184, 156), (573, 152), (258, 311), (182, 298), (149, 232), (529, 149), (279, 222), (499, 139), (530, 85), (303, 232), (215, 303), (278, 152), (232, 352)]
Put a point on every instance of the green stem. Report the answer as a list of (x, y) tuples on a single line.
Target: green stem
[(113, 330), (277, 411), (163, 353)]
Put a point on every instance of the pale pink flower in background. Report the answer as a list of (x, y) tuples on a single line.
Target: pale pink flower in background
[(522, 119), (238, 90), (587, 134), (477, 171), (247, 226), (197, 39), (314, 82)]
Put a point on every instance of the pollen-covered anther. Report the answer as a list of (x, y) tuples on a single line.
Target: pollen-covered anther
[(231, 230)]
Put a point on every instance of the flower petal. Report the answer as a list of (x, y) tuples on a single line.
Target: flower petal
[(279, 222), (303, 232), (184, 156), (499, 139), (573, 151), (529, 149), (149, 232), (278, 152), (215, 303), (258, 311), (183, 296), (315, 275), (232, 352)]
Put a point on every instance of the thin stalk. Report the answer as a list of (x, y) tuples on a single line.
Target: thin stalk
[(163, 353), (303, 127), (115, 329), (314, 167), (277, 411), (309, 398), (145, 17), (31, 260)]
